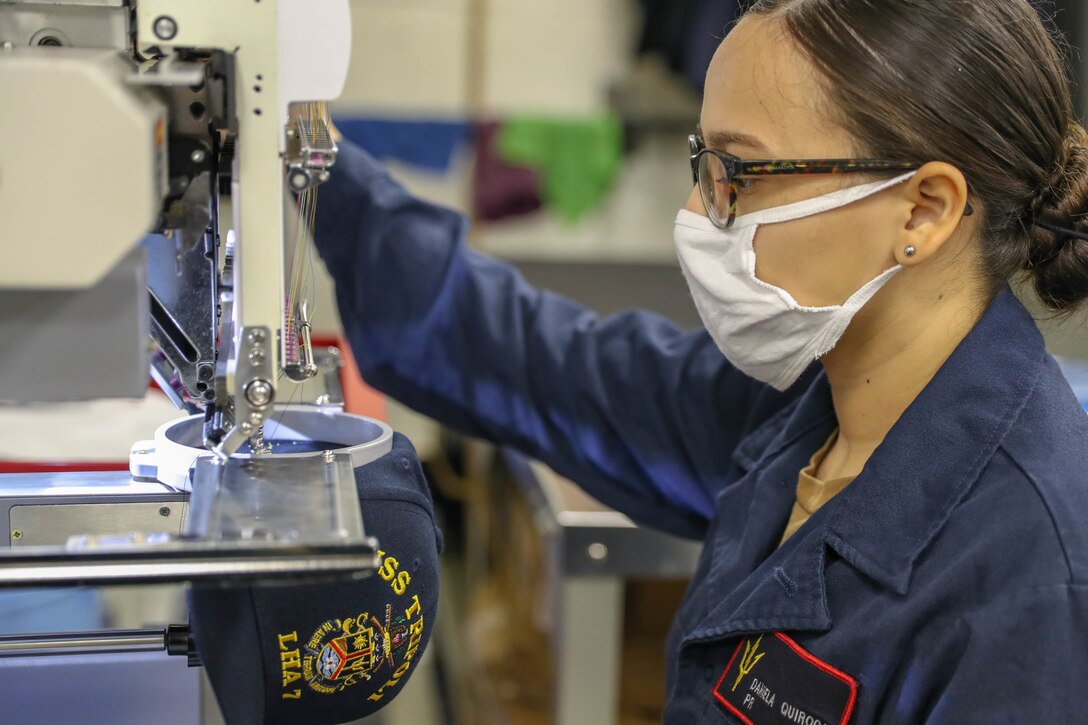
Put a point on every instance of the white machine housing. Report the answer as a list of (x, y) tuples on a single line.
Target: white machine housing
[(89, 168)]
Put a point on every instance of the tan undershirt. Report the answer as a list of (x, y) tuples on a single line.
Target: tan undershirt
[(812, 493)]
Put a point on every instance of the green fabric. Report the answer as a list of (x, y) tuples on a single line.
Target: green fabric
[(577, 160)]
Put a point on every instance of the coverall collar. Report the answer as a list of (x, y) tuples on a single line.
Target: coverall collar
[(939, 447), (883, 521)]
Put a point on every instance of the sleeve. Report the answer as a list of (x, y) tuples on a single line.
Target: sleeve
[(1023, 659), (640, 413)]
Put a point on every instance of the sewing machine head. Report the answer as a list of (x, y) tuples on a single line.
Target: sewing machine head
[(191, 121)]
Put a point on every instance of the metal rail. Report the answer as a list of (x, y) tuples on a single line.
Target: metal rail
[(174, 640)]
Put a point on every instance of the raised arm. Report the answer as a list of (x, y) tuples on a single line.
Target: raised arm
[(640, 413)]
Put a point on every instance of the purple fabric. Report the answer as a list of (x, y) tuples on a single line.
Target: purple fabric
[(501, 190)]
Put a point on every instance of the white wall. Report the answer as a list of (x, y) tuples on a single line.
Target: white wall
[(415, 59), (425, 57), (409, 58), (557, 56)]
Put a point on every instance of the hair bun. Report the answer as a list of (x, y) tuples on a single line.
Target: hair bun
[(1058, 262)]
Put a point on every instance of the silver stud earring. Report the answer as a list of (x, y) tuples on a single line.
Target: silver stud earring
[(910, 251)]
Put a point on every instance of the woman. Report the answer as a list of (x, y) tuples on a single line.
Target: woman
[(895, 535)]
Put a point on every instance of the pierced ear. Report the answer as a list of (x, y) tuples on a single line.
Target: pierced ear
[(909, 255), (937, 194)]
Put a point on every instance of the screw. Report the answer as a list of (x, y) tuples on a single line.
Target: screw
[(256, 337), (256, 356), (323, 399), (298, 179), (164, 511), (246, 428), (255, 418), (165, 27), (198, 156), (597, 551), (206, 372), (17, 534), (329, 456), (259, 392)]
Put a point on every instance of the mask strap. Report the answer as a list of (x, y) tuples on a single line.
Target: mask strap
[(810, 207)]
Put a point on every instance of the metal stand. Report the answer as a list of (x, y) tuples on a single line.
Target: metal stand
[(587, 645), (593, 551)]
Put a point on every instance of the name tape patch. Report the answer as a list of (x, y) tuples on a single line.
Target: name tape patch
[(770, 679)]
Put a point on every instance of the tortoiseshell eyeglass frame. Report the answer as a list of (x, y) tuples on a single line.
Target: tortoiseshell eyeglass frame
[(735, 167)]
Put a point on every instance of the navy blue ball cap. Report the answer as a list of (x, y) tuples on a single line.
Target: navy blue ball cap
[(335, 652)]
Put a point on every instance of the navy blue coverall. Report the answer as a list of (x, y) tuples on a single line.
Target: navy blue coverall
[(948, 583)]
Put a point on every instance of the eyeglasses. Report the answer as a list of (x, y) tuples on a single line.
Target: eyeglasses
[(718, 175)]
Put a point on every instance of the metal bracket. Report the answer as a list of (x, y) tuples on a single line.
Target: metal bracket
[(254, 378)]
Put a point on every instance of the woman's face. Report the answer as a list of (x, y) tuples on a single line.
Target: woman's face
[(764, 100)]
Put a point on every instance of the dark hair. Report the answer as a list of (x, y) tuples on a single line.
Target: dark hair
[(979, 84)]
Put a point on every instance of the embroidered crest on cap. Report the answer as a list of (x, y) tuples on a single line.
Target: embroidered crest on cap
[(772, 679), (363, 647)]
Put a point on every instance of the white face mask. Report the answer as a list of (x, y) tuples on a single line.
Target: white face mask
[(761, 329)]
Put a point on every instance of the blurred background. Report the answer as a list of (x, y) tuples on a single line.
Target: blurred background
[(560, 129)]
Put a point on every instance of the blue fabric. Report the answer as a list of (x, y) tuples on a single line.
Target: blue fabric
[(47, 610), (429, 145), (686, 33), (712, 20), (950, 579)]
